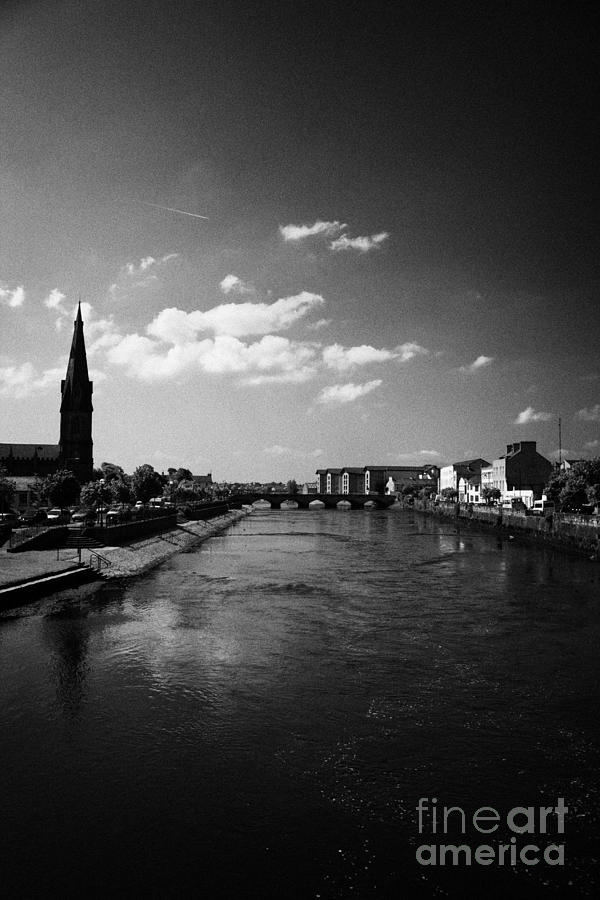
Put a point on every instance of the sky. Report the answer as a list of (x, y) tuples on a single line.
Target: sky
[(303, 234)]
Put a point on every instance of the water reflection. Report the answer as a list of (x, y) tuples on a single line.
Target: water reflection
[(67, 636)]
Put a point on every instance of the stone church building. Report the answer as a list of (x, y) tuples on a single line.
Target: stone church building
[(75, 445)]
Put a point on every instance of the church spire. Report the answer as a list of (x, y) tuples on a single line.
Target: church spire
[(77, 378), (76, 408)]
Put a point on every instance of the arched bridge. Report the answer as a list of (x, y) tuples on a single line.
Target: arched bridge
[(357, 501)]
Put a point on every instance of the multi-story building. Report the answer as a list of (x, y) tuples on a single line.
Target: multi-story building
[(321, 481), (353, 480), (487, 477), (521, 468), (469, 489), (450, 476), (391, 479), (373, 479), (333, 481)]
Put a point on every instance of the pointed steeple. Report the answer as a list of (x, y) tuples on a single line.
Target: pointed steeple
[(76, 387), (76, 407)]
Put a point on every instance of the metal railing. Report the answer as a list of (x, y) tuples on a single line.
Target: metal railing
[(20, 535), (98, 562)]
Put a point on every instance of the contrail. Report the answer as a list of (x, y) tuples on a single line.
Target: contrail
[(171, 209)]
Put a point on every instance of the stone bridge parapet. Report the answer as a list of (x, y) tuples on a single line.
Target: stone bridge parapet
[(357, 501)]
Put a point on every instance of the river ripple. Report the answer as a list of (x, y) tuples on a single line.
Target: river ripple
[(259, 717)]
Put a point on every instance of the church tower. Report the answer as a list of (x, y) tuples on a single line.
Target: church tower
[(75, 445)]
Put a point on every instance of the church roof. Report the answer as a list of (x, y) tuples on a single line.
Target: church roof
[(29, 451)]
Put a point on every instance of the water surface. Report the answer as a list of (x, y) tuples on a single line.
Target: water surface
[(260, 716)]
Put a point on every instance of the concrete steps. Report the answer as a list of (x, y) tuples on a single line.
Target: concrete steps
[(75, 541)]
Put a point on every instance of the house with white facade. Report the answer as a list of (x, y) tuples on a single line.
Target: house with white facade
[(456, 476)]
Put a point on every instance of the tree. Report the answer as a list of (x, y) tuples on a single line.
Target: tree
[(61, 489), (186, 490), (95, 493), (578, 486), (120, 489), (490, 493), (111, 472), (146, 483), (7, 491), (449, 493), (292, 487), (410, 489)]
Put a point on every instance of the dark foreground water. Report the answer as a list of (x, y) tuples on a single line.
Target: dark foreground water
[(259, 718)]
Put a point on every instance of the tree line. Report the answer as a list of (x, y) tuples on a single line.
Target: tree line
[(110, 485)]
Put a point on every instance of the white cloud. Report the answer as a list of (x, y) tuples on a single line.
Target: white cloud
[(299, 232), (290, 376), (530, 415), (591, 445), (340, 359), (346, 393), (235, 319), (410, 457), (320, 323), (54, 300), (142, 266), (480, 363), (147, 262), (277, 450), (408, 351), (216, 342), (273, 358), (139, 274), (18, 381), (590, 415), (13, 297), (106, 338), (363, 244), (15, 381), (99, 333), (231, 284)]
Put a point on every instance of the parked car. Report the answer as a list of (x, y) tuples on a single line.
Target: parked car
[(542, 507), (32, 517), (57, 516), (113, 516), (84, 518), (8, 518)]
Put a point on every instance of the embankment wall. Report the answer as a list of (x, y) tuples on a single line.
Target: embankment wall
[(141, 556), (132, 531), (577, 533)]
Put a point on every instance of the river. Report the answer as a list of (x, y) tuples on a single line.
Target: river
[(259, 717)]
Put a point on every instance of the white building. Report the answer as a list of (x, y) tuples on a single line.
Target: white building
[(450, 476)]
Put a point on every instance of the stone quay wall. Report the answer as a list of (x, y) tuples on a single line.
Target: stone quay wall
[(568, 531)]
